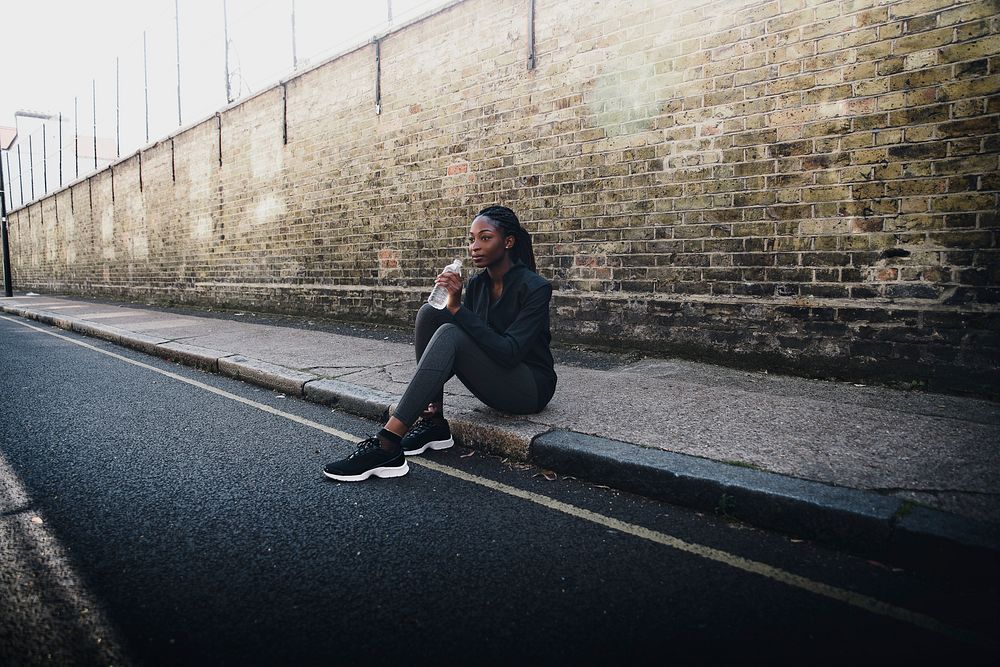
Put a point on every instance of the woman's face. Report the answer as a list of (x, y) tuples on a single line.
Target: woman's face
[(487, 245)]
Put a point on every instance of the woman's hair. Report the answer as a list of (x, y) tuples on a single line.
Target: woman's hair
[(507, 222)]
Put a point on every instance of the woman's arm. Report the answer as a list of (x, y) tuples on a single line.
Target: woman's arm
[(510, 347)]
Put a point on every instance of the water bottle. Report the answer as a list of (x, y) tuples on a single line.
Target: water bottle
[(439, 295)]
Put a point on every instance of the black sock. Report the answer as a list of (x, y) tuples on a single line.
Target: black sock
[(387, 437)]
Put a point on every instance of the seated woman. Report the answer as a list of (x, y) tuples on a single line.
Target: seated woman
[(496, 341)]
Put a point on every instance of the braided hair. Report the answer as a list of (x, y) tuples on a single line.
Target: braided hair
[(507, 223)]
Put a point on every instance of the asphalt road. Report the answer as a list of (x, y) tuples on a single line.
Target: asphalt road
[(155, 514)]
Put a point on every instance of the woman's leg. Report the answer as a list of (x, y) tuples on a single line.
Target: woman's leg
[(429, 319), (448, 351), (451, 351)]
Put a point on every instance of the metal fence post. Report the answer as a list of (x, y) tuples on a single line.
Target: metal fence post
[(60, 149), (118, 112), (20, 173), (45, 160), (31, 166), (93, 96), (295, 52), (145, 81), (225, 37), (76, 138), (10, 192), (177, 32), (8, 287)]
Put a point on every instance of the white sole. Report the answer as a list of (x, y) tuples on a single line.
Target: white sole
[(385, 471), (433, 444)]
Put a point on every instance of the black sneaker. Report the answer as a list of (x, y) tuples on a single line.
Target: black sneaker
[(369, 459), (427, 433)]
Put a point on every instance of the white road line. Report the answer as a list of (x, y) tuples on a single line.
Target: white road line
[(870, 604)]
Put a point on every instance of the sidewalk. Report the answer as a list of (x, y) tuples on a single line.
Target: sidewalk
[(865, 467)]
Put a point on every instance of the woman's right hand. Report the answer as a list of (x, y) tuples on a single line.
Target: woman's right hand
[(453, 283)]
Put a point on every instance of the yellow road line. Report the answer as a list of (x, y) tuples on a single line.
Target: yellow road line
[(845, 596)]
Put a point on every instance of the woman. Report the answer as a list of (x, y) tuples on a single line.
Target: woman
[(496, 342)]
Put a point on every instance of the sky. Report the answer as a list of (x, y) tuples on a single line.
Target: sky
[(59, 44), (67, 48), (85, 60)]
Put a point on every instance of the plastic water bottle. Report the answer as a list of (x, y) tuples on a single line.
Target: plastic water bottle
[(439, 295)]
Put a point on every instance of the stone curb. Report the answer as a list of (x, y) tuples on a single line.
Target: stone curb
[(50, 318), (265, 374), (191, 355), (102, 331), (926, 536), (863, 521), (142, 342), (352, 398)]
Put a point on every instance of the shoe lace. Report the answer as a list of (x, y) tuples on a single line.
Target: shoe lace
[(422, 425), (365, 446)]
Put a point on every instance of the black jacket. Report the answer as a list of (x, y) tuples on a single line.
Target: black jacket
[(516, 327)]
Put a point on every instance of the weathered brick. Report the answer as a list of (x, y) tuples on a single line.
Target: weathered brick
[(922, 39), (909, 8)]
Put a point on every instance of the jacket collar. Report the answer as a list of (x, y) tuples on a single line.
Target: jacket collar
[(516, 267)]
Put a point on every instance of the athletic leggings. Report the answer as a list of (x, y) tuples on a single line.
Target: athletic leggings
[(443, 350)]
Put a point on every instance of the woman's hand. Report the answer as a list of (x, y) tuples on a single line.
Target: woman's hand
[(453, 283)]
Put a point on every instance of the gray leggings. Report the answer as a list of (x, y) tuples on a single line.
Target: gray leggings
[(443, 350)]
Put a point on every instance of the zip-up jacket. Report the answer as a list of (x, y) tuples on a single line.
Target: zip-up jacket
[(516, 327)]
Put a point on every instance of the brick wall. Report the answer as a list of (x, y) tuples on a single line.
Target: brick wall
[(801, 185)]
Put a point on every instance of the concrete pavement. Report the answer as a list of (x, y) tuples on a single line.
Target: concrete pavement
[(908, 474)]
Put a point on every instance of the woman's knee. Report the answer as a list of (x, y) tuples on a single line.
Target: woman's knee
[(429, 315), (446, 332)]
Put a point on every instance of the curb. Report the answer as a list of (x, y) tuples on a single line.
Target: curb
[(352, 398), (861, 521), (264, 374)]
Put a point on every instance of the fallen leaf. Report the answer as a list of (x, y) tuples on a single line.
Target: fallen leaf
[(36, 519)]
